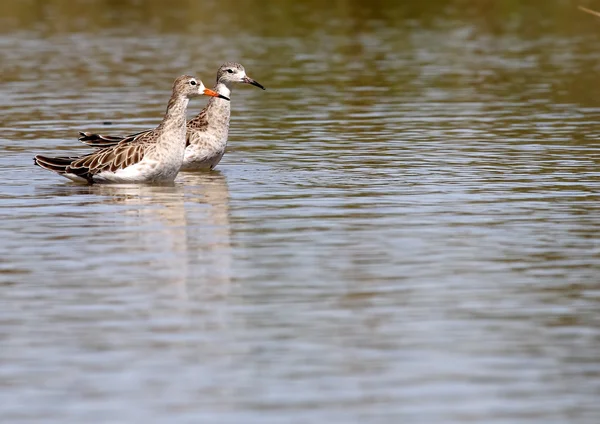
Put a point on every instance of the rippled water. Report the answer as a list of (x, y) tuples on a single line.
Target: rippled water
[(405, 227)]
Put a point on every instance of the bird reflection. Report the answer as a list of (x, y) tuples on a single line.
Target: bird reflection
[(208, 230), (166, 234)]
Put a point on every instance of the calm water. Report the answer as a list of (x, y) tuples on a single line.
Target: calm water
[(405, 228)]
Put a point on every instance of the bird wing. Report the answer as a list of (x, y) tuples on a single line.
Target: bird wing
[(111, 159), (197, 124)]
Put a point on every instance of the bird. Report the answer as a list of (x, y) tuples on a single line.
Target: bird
[(153, 156), (207, 132)]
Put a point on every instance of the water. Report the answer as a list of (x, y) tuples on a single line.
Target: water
[(405, 227)]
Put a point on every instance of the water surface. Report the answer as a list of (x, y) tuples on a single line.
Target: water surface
[(405, 227)]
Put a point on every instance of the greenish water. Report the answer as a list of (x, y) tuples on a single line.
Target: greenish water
[(405, 226)]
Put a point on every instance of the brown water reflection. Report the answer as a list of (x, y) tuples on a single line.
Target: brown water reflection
[(404, 228)]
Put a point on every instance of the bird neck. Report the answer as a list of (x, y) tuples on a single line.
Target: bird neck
[(175, 115), (223, 89), (218, 110)]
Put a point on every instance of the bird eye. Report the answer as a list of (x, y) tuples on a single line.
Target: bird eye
[(230, 71), (193, 82)]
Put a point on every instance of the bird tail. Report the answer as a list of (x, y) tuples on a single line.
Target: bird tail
[(58, 165)]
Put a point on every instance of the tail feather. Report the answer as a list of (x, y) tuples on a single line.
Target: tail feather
[(62, 166), (58, 165)]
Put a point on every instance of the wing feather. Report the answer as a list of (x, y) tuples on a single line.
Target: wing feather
[(108, 159)]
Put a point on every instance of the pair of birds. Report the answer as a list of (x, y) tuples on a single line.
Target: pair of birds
[(157, 155)]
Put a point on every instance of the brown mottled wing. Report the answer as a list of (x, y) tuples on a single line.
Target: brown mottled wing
[(103, 141), (198, 123), (110, 159)]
